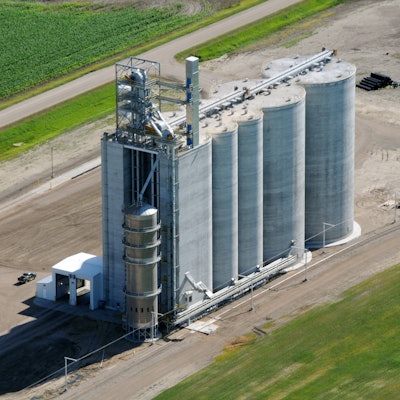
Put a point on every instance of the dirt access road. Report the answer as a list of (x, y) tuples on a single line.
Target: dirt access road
[(38, 233)]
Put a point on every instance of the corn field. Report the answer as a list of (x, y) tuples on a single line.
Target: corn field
[(41, 41)]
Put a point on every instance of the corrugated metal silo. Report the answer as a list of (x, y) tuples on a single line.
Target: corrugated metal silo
[(194, 204), (116, 192), (245, 109), (284, 151), (250, 192), (225, 204), (186, 218), (330, 102)]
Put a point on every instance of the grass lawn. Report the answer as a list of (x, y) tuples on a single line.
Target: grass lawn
[(346, 350), (85, 108)]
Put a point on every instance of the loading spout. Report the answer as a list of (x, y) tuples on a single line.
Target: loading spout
[(160, 125), (153, 128)]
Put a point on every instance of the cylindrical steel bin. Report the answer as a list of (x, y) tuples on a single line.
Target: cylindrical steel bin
[(142, 256), (284, 151), (225, 204)]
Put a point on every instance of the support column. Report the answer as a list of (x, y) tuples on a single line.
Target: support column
[(72, 290)]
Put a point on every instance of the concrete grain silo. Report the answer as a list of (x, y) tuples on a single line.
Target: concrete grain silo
[(284, 145)]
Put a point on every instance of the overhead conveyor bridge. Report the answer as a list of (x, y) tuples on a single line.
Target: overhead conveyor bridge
[(238, 95)]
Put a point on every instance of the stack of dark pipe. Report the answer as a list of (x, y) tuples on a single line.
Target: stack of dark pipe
[(374, 82)]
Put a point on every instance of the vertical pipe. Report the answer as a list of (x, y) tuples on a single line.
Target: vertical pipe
[(192, 100), (152, 182), (137, 176), (175, 222), (105, 195)]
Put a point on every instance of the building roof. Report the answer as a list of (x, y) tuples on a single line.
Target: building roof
[(83, 265)]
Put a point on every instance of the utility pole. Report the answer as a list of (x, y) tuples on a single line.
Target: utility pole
[(324, 224), (305, 265), (251, 291), (52, 163), (66, 359)]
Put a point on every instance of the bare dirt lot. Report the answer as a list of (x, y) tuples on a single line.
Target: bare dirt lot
[(41, 230)]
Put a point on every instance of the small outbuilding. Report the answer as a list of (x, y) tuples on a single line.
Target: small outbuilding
[(75, 276)]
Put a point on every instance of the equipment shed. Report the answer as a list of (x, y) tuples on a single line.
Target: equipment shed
[(74, 276)]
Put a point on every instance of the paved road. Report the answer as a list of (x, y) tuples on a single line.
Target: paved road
[(163, 54)]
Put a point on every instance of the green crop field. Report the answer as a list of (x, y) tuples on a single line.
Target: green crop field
[(41, 41), (346, 350)]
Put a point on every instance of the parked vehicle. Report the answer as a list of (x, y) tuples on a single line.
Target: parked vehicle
[(26, 277)]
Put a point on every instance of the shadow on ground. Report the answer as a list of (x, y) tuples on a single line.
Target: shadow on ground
[(36, 349)]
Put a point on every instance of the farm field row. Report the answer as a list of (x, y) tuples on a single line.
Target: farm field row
[(41, 41)]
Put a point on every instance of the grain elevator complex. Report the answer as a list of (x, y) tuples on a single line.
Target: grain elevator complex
[(205, 202)]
